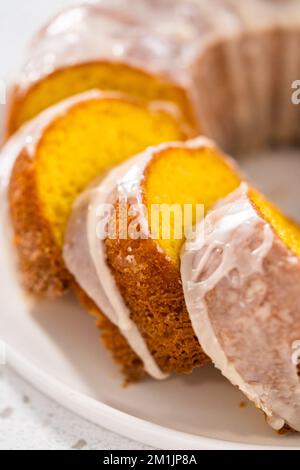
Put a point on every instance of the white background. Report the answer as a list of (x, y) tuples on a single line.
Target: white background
[(18, 21), (28, 420)]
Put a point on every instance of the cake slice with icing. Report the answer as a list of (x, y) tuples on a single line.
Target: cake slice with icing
[(133, 276), (56, 156), (97, 46), (241, 277)]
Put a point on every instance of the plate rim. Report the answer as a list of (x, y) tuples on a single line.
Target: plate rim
[(120, 422)]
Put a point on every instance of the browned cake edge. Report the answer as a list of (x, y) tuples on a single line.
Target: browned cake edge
[(40, 260), (151, 287)]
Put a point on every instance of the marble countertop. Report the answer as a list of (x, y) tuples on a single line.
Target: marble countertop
[(31, 421)]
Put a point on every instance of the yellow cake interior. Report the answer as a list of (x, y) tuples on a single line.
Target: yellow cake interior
[(87, 141), (103, 76), (186, 176), (286, 228)]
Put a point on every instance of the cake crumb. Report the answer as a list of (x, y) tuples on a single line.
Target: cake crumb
[(6, 412), (243, 404), (79, 444)]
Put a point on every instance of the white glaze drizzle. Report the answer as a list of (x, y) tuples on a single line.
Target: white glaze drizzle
[(216, 232), (121, 314)]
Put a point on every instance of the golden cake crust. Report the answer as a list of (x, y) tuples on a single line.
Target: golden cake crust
[(151, 287)]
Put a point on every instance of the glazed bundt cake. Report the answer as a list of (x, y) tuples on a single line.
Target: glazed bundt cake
[(178, 259), (229, 62), (142, 293), (60, 153), (241, 283)]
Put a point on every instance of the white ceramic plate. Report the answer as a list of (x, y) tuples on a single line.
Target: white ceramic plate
[(56, 347)]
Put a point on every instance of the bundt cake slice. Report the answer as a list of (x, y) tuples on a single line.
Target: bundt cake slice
[(93, 46), (131, 271), (241, 282), (57, 155), (101, 75)]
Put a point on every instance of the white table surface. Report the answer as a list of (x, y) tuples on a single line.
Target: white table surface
[(28, 419)]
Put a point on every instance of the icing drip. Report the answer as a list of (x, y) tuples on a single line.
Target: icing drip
[(97, 280), (218, 229)]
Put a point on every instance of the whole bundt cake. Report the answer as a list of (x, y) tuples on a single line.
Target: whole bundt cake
[(229, 63)]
